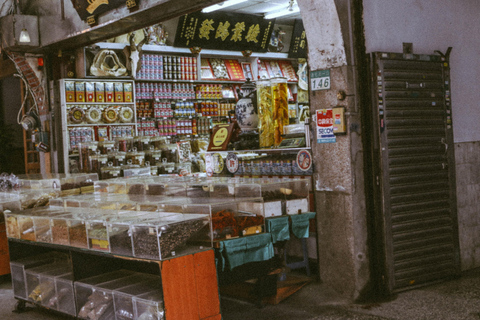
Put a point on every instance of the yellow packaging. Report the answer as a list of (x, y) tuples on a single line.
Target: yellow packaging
[(109, 94), (128, 90), (118, 87), (90, 91), (80, 91), (99, 91), (70, 91)]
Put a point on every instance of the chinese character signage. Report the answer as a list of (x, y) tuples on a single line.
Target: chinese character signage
[(298, 44), (224, 31), (325, 126), (88, 9)]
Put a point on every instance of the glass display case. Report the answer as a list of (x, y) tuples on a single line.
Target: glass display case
[(20, 225), (120, 232), (159, 238), (228, 218), (59, 181), (9, 201)]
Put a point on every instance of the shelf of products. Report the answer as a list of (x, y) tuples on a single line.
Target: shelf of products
[(94, 111)]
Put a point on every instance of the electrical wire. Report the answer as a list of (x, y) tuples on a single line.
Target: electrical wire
[(29, 90)]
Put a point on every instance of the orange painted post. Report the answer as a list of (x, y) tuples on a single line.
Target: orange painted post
[(4, 255), (179, 290), (207, 284)]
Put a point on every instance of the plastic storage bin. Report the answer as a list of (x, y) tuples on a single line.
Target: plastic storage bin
[(40, 281), (65, 295), (149, 306), (19, 266), (159, 238), (124, 298)]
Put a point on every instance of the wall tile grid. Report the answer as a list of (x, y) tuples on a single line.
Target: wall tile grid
[(467, 156)]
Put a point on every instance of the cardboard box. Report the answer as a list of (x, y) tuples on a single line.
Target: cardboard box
[(109, 93), (128, 90), (90, 91), (70, 91), (118, 87), (100, 91), (80, 91)]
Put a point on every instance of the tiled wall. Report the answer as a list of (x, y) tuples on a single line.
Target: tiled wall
[(467, 156)]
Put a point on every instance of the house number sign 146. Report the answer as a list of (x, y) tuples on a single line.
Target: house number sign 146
[(320, 80)]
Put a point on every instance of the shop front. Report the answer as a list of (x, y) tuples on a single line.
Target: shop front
[(282, 130)]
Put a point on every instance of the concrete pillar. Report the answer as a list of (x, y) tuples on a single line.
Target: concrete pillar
[(339, 174)]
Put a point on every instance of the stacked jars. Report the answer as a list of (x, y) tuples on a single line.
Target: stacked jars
[(280, 107), (272, 102), (266, 127)]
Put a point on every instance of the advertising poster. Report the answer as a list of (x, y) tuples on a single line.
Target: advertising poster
[(325, 126)]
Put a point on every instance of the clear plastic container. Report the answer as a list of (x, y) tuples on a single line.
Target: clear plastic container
[(124, 298), (93, 299), (18, 267), (159, 238), (149, 306), (40, 281), (65, 295)]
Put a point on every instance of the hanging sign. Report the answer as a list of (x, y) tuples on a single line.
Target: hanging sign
[(320, 80), (232, 31), (89, 9), (298, 44), (325, 126)]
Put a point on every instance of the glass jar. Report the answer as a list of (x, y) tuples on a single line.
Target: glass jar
[(280, 107), (266, 128), (136, 157), (98, 161), (142, 143), (124, 143), (118, 158), (153, 156), (184, 168), (106, 146), (156, 143), (111, 172), (169, 152)]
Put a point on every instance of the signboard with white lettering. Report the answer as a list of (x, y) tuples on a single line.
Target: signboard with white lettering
[(320, 80), (325, 126), (224, 31)]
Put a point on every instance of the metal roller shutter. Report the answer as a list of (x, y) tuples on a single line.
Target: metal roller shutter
[(416, 179)]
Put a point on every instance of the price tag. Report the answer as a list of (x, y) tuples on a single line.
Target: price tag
[(320, 80)]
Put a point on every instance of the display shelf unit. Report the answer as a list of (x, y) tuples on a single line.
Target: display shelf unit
[(66, 100), (189, 280)]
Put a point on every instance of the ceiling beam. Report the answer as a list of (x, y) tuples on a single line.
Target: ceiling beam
[(69, 34)]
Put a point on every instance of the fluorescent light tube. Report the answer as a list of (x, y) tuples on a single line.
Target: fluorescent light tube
[(282, 13), (222, 5)]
